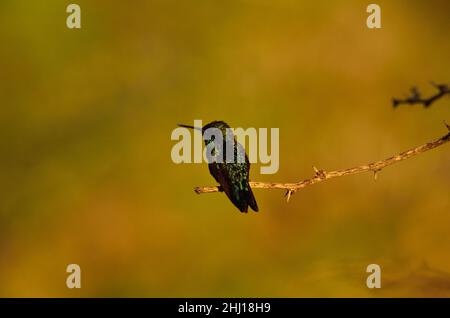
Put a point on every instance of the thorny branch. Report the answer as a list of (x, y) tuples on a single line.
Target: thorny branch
[(322, 175), (416, 96)]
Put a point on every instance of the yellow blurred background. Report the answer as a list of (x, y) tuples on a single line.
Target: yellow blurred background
[(86, 175)]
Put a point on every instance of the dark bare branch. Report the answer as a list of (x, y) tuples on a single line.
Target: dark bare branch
[(416, 96)]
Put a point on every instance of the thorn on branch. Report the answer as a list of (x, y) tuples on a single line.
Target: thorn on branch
[(288, 195), (318, 173), (375, 174), (416, 96)]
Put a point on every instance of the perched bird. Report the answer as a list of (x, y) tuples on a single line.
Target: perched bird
[(232, 175)]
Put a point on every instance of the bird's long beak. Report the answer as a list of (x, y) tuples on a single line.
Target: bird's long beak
[(191, 127)]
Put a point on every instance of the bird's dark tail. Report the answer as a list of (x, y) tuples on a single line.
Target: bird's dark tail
[(251, 199), (243, 198)]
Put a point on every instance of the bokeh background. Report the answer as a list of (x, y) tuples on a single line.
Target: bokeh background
[(86, 175)]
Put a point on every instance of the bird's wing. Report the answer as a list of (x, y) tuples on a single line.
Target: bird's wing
[(235, 190)]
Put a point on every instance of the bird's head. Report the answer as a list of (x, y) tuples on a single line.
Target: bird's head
[(221, 125)]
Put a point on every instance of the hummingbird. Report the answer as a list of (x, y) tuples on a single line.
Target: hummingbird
[(233, 176)]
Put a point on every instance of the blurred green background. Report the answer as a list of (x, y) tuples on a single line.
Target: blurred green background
[(85, 169)]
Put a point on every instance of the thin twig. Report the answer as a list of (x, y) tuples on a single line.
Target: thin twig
[(416, 96), (321, 175)]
